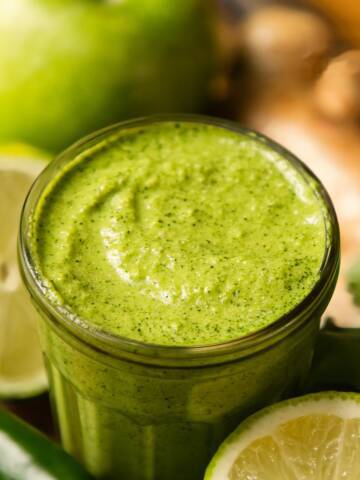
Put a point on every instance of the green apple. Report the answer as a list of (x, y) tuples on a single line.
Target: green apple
[(68, 67)]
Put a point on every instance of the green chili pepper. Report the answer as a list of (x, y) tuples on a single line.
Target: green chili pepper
[(26, 454)]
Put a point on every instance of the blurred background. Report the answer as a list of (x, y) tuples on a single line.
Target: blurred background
[(68, 67)]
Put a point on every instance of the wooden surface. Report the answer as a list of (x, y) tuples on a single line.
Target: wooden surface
[(36, 411)]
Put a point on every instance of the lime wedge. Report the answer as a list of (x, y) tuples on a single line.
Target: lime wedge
[(22, 372), (315, 437)]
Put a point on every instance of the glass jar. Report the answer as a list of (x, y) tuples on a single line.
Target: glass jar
[(132, 410)]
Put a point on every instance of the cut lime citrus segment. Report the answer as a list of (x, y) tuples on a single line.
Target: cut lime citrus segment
[(315, 437), (22, 372)]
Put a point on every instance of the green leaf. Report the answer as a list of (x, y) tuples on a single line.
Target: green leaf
[(353, 281), (336, 362)]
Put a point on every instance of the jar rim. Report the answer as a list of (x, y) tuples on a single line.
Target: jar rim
[(115, 344)]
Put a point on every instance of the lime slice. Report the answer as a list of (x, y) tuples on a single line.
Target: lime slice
[(315, 437), (22, 372)]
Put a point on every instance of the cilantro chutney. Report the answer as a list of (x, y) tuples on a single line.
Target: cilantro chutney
[(180, 234)]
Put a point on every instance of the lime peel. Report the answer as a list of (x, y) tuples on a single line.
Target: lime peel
[(264, 423)]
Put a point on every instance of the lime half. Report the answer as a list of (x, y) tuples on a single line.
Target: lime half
[(22, 372), (315, 437)]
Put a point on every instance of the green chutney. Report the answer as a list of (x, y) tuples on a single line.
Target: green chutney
[(147, 249), (180, 234)]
